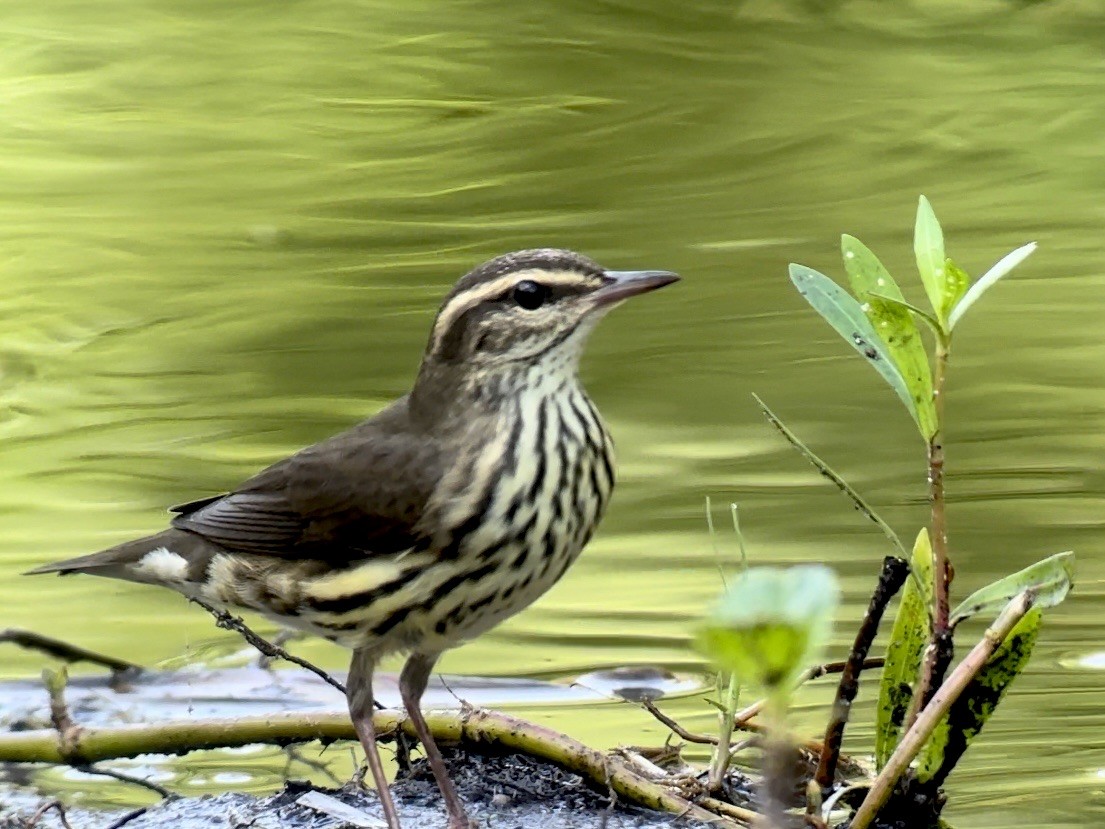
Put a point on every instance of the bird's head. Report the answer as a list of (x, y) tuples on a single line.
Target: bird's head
[(529, 308)]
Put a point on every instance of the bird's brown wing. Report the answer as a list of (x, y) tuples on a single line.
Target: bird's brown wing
[(359, 493)]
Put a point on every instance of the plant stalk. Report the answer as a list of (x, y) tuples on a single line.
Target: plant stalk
[(938, 653), (719, 763), (778, 762)]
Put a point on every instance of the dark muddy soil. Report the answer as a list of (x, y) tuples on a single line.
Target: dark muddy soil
[(501, 792)]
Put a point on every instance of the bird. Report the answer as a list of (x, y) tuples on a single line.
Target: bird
[(422, 527)]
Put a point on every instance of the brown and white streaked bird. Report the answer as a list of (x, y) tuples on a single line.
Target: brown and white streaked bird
[(452, 509)]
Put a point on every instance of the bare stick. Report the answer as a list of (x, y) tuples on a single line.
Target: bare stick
[(893, 576), (66, 651), (122, 777), (229, 622), (677, 729), (746, 816), (828, 472), (473, 728), (915, 739), (41, 811), (743, 718), (128, 817)]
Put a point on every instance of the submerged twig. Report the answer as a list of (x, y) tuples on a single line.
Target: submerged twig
[(828, 472), (68, 652), (893, 576), (123, 777)]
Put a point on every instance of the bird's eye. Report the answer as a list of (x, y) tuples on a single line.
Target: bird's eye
[(530, 295)]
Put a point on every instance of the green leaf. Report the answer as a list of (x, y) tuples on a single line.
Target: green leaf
[(771, 623), (898, 330), (1000, 269), (866, 273), (1050, 579), (928, 318), (928, 247), (841, 310), (894, 324), (905, 651), (969, 713), (955, 286)]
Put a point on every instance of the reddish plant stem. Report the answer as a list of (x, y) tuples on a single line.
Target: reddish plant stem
[(939, 652)]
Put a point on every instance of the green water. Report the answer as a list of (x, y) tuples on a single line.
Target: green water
[(224, 229)]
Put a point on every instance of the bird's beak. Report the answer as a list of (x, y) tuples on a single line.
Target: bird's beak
[(624, 284)]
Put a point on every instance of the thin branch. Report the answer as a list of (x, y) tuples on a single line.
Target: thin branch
[(57, 806), (677, 729), (128, 817), (295, 756), (742, 719), (123, 777), (66, 651), (893, 576), (828, 472), (229, 622), (915, 739)]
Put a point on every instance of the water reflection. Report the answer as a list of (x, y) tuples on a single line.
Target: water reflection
[(227, 229)]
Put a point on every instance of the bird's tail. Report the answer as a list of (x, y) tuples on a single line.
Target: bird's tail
[(172, 558)]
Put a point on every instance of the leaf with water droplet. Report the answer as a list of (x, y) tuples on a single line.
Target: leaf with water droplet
[(987, 280), (871, 282), (928, 247), (841, 310), (905, 651)]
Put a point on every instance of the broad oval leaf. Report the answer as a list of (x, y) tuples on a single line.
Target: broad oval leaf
[(866, 273), (1051, 579), (770, 624), (1000, 269), (928, 247), (905, 651), (841, 310), (969, 713)]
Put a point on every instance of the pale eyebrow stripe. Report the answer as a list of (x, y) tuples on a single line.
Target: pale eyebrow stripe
[(464, 302)]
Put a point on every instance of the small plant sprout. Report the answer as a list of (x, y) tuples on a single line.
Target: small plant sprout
[(924, 721), (768, 627)]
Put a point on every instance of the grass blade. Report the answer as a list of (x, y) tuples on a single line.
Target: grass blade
[(822, 467)]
